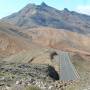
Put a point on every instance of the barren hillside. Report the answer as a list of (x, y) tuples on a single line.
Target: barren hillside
[(59, 38), (12, 41)]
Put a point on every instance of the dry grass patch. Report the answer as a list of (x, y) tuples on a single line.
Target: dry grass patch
[(32, 88)]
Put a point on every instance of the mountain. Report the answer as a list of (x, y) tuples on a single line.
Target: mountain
[(12, 41), (59, 38), (30, 40), (48, 26), (45, 16)]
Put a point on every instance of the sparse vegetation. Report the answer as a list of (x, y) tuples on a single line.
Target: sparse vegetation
[(83, 67), (32, 88), (26, 40)]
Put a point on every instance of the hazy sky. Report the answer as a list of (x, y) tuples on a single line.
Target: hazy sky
[(8, 7)]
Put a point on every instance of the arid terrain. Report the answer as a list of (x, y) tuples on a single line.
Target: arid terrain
[(29, 40)]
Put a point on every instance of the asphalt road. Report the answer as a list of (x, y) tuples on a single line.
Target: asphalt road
[(67, 69)]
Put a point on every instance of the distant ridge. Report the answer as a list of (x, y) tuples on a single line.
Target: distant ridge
[(45, 16)]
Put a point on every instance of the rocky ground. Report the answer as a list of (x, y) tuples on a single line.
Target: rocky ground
[(17, 76), (82, 65), (20, 75)]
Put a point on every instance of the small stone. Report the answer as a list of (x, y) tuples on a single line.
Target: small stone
[(18, 82), (8, 88), (2, 79), (50, 87)]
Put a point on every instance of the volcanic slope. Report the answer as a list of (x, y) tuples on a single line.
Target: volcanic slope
[(43, 15), (11, 40), (59, 38)]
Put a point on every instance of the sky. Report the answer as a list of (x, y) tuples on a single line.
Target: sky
[(8, 7)]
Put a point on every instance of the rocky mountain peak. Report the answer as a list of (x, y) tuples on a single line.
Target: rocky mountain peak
[(43, 15), (29, 6), (66, 10), (43, 4)]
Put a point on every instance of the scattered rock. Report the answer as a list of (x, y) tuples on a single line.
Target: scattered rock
[(8, 87), (18, 82)]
